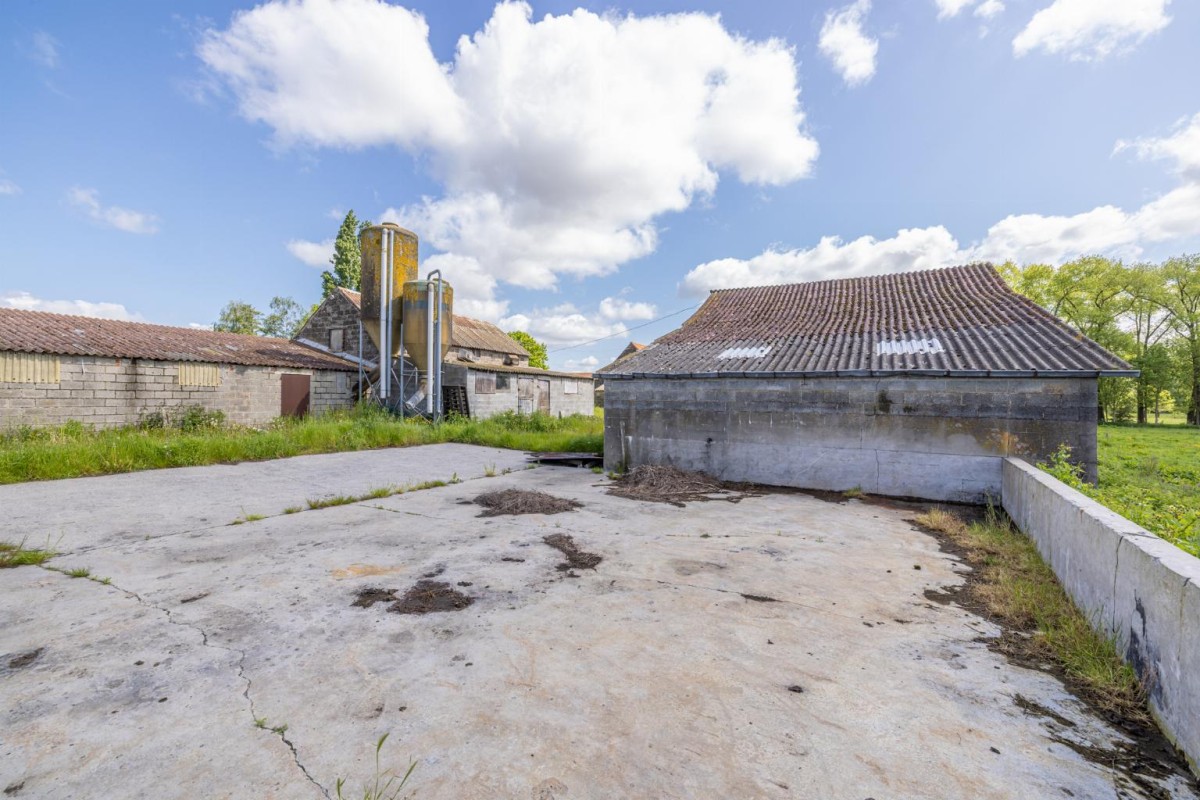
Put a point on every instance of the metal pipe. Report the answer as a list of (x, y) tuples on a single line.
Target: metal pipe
[(437, 334), (403, 400), (384, 345), (429, 346), (360, 360)]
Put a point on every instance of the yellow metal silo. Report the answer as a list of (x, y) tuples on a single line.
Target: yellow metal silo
[(389, 260), (420, 304)]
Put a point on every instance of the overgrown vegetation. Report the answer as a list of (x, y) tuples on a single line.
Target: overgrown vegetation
[(1016, 586), (74, 450), (1150, 475)]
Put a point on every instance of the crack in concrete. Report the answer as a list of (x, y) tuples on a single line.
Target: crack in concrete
[(241, 672)]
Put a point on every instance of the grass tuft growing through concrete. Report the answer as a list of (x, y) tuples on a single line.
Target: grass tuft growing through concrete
[(74, 450), (1016, 586), (386, 785), (18, 555)]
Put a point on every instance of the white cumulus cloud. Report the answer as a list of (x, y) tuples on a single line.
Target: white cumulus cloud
[(1091, 30), (565, 324), (585, 364), (1024, 238), (843, 41), (1182, 147), (80, 308), (8, 187), (557, 142), (315, 254), (988, 9), (951, 8), (123, 219), (618, 308)]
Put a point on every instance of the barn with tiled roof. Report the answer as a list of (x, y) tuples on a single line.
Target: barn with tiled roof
[(914, 384)]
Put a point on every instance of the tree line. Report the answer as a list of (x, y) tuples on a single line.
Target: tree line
[(287, 317), (1149, 314)]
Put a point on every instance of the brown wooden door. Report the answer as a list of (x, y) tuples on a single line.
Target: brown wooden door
[(543, 396), (293, 394)]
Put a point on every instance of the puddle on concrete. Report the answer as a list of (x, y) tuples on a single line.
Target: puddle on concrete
[(523, 501), (576, 558), (428, 596)]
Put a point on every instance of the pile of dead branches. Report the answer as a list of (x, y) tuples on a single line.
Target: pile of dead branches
[(662, 484), (523, 501)]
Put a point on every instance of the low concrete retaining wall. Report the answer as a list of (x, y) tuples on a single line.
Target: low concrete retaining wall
[(1132, 584)]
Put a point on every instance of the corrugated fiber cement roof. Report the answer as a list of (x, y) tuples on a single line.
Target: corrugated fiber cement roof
[(957, 320)]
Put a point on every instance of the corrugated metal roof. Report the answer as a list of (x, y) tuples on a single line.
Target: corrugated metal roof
[(468, 332), (39, 332), (957, 320)]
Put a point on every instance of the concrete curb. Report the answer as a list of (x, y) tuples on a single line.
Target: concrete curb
[(1132, 584)]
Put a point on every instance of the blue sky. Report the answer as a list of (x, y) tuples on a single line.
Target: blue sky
[(579, 170)]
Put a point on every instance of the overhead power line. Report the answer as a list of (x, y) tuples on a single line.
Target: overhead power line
[(626, 330)]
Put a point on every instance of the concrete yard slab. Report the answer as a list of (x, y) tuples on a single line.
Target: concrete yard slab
[(88, 512), (774, 648)]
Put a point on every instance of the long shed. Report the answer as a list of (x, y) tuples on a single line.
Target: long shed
[(911, 385), (55, 368)]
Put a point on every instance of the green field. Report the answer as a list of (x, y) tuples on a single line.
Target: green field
[(73, 450), (1151, 475)]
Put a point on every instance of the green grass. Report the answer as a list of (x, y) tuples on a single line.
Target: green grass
[(18, 555), (1017, 586), (74, 450), (1149, 474)]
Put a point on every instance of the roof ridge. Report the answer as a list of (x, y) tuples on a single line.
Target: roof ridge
[(860, 278), (111, 321)]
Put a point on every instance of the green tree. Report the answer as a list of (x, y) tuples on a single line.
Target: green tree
[(1182, 293), (1149, 323), (238, 317), (347, 257), (285, 319), (537, 350)]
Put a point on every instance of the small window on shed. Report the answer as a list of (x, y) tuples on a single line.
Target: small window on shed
[(485, 383), (192, 373), (29, 368), (570, 387), (501, 383), (337, 339)]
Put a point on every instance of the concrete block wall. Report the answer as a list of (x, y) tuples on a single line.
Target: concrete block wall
[(484, 405), (108, 392), (583, 401), (1134, 586), (933, 438), (488, 404)]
